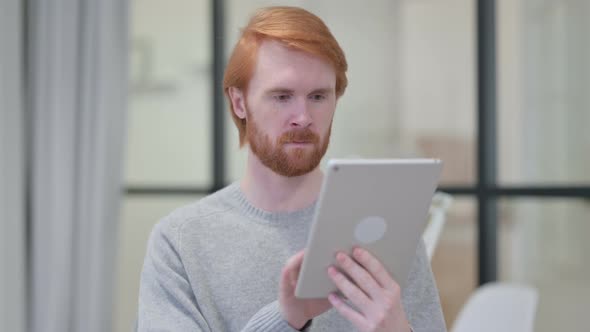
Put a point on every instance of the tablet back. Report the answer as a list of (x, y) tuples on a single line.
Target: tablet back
[(381, 205)]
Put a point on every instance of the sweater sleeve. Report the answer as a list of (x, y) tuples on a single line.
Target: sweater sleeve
[(269, 319), (422, 303), (167, 301)]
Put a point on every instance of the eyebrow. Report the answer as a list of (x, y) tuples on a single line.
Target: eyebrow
[(290, 91), (322, 91), (279, 91)]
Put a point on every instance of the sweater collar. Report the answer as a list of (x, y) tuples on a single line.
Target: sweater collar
[(246, 208)]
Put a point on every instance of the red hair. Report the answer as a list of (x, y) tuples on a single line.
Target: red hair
[(295, 28)]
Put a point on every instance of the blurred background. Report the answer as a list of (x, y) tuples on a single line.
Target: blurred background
[(510, 125)]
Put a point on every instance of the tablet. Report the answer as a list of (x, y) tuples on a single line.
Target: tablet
[(378, 204)]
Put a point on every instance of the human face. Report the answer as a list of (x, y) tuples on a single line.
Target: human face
[(289, 107)]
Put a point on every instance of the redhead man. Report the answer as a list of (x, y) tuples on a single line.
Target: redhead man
[(230, 261)]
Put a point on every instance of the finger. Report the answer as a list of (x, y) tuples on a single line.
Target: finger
[(349, 290), (375, 268), (359, 275), (345, 310), (290, 272), (297, 263)]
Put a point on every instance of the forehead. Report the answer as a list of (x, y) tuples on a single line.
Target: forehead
[(281, 66)]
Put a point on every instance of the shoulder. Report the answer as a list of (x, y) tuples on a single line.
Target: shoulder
[(420, 272), (196, 214), (420, 297)]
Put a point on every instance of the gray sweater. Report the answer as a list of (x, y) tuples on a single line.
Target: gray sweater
[(214, 265)]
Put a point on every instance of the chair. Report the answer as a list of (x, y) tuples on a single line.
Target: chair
[(438, 211), (499, 306)]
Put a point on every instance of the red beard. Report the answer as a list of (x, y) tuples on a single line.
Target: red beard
[(286, 160)]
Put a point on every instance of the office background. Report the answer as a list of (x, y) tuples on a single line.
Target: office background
[(510, 125), (413, 92)]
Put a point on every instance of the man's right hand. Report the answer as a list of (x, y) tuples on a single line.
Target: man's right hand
[(297, 311)]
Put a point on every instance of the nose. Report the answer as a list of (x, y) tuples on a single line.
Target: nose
[(301, 116)]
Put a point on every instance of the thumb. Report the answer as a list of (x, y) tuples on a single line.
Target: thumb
[(290, 272)]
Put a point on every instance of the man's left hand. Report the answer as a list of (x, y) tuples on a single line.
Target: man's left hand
[(372, 291)]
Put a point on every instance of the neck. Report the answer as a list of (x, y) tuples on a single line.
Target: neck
[(272, 192)]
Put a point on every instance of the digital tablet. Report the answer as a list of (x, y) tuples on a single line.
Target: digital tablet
[(378, 204)]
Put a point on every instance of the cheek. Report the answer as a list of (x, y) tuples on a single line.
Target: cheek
[(323, 119), (271, 127)]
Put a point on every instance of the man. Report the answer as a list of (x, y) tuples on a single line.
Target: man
[(219, 264)]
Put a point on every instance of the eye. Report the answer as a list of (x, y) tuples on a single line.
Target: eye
[(282, 97), (317, 97)]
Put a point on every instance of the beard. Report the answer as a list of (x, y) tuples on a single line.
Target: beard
[(287, 160)]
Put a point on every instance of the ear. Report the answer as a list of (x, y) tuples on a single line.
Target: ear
[(238, 102)]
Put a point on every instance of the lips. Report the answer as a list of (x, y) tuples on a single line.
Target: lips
[(305, 136)]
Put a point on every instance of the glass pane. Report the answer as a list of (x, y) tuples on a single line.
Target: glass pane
[(544, 243), (138, 215), (170, 94), (543, 80), (411, 81), (454, 263)]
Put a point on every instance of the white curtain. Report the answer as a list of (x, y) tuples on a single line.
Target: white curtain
[(12, 175), (77, 79)]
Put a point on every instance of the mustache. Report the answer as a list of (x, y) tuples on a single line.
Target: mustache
[(300, 136)]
